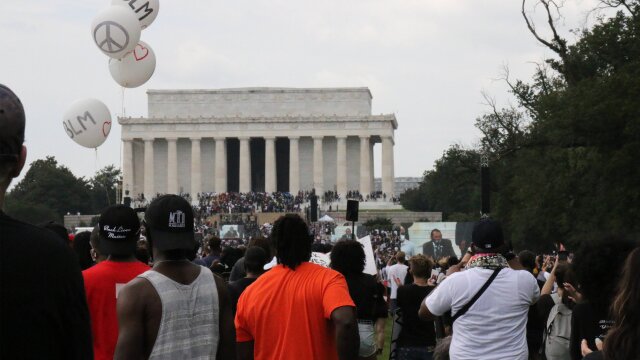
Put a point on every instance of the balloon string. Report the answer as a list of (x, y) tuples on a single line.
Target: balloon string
[(122, 102), (96, 162)]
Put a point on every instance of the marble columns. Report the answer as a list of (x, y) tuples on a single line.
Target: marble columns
[(365, 166), (127, 164), (245, 165), (341, 162), (318, 164), (220, 184), (294, 165), (270, 164), (172, 166), (387, 166), (196, 168), (149, 176)]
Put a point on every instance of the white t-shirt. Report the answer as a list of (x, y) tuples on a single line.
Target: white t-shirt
[(397, 271), (494, 328)]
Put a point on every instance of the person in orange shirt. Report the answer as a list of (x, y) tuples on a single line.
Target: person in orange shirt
[(297, 310)]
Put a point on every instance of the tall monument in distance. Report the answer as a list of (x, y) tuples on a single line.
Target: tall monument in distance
[(257, 139)]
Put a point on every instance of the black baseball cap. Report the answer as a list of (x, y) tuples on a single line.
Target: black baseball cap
[(487, 235), (119, 229), (12, 123), (169, 221)]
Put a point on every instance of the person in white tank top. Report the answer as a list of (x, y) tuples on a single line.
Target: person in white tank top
[(176, 310)]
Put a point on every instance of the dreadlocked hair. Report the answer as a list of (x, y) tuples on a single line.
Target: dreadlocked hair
[(291, 238)]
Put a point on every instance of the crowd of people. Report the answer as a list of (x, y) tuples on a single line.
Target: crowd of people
[(210, 203), (132, 289), (372, 196), (219, 203)]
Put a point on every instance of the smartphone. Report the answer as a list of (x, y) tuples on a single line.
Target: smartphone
[(563, 255), (434, 274)]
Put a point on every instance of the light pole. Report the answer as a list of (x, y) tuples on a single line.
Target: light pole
[(485, 188)]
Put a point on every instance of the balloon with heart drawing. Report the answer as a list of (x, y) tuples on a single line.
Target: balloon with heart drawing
[(87, 122), (136, 68)]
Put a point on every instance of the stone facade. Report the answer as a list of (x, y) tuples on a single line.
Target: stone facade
[(401, 184), (257, 139)]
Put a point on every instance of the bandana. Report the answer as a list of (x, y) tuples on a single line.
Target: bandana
[(487, 261)]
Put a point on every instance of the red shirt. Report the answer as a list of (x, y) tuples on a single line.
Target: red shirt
[(287, 313), (102, 283)]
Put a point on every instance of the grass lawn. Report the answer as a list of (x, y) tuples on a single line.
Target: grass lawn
[(387, 339)]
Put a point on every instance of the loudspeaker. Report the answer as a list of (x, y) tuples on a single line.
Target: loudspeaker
[(352, 210), (313, 216), (127, 201), (485, 190)]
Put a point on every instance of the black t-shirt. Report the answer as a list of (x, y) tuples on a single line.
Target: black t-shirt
[(544, 306), (367, 294), (415, 332), (236, 288), (596, 355), (588, 322), (43, 308)]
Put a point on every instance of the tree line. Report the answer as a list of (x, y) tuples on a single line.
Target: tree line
[(50, 190), (564, 159)]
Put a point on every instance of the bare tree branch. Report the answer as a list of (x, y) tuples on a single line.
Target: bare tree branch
[(561, 43), (533, 31), (524, 101), (619, 3)]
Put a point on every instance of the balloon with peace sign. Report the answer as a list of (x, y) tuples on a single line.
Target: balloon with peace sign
[(116, 31)]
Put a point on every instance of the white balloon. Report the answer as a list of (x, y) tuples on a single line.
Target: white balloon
[(116, 31), (135, 68), (87, 122), (145, 10)]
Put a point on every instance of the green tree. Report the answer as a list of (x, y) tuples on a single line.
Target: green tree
[(572, 173), (48, 189), (103, 188), (451, 187)]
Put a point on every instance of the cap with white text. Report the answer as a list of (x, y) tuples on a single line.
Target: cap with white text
[(119, 229), (169, 221)]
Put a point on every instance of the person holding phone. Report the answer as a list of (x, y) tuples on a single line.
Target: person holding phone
[(597, 267), (417, 339), (489, 301)]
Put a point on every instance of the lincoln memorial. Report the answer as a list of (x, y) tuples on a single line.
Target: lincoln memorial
[(257, 139)]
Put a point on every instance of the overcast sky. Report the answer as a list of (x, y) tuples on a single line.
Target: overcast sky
[(427, 61)]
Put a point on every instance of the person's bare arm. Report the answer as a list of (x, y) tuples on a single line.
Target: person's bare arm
[(465, 259), (424, 313), (227, 330), (130, 307), (548, 285), (245, 350), (347, 336), (380, 324)]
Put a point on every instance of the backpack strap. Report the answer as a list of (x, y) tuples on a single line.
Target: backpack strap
[(473, 300), (552, 316)]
